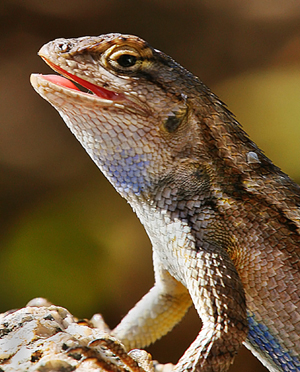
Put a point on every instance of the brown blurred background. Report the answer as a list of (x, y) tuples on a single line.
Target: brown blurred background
[(65, 233)]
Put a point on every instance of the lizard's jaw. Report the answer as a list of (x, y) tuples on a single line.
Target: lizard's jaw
[(54, 87), (65, 82)]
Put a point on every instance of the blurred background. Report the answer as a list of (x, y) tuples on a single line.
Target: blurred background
[(65, 233)]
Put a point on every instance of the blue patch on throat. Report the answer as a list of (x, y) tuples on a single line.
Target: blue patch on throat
[(128, 174), (269, 348)]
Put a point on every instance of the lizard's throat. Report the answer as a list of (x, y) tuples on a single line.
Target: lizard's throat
[(127, 170)]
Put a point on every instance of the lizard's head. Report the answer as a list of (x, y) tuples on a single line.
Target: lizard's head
[(135, 119)]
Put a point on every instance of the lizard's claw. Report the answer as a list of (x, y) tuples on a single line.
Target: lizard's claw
[(158, 367), (98, 322)]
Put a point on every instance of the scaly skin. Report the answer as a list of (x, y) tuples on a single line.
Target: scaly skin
[(224, 221)]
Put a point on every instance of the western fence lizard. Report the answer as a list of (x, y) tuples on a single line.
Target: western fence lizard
[(223, 220)]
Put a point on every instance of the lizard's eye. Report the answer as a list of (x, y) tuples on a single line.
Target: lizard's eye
[(126, 60)]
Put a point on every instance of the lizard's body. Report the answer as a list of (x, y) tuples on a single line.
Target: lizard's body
[(224, 222)]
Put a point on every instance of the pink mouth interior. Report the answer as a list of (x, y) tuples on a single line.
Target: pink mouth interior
[(62, 81)]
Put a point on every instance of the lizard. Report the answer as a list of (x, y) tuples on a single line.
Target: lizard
[(223, 220)]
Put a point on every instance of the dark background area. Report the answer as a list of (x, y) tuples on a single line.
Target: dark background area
[(65, 233)]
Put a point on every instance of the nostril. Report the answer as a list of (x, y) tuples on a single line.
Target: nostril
[(64, 47)]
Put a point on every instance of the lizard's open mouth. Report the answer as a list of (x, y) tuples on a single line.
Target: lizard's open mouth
[(95, 94), (66, 83)]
